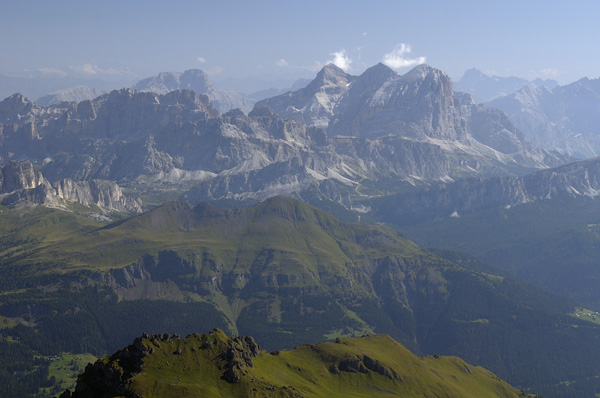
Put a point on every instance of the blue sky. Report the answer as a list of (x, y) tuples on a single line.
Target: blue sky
[(286, 40)]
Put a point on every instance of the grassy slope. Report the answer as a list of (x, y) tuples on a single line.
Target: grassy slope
[(306, 370), (23, 231), (280, 237)]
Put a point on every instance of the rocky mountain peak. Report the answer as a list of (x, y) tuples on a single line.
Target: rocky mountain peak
[(432, 77), (379, 72), (330, 76), (164, 82), (13, 108), (161, 83), (472, 76), (313, 105), (195, 79), (371, 80), (332, 70), (16, 99)]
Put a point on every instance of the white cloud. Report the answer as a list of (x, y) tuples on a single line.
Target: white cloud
[(53, 71), (201, 60), (93, 69), (282, 62), (398, 58), (341, 60), (549, 72)]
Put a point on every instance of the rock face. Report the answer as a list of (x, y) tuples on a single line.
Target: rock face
[(23, 185), (565, 118), (196, 80), (102, 193), (417, 105), (15, 176), (102, 379)]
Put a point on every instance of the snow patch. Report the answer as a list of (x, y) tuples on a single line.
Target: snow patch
[(316, 175), (337, 176)]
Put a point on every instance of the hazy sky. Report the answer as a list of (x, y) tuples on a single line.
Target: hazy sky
[(285, 39)]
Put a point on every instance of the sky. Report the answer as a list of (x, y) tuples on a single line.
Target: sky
[(285, 40)]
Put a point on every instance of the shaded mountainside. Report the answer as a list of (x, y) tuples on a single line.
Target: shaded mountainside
[(577, 179), (219, 366), (284, 272), (541, 228)]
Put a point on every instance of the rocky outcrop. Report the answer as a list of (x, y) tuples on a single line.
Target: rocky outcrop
[(23, 185), (238, 356), (363, 364), (102, 193), (19, 175), (112, 378)]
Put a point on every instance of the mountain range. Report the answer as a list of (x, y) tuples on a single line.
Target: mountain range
[(181, 140), (105, 233), (486, 88), (563, 118)]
